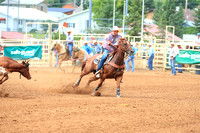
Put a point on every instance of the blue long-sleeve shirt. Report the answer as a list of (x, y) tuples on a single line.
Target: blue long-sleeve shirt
[(151, 51), (98, 48), (134, 51), (87, 48)]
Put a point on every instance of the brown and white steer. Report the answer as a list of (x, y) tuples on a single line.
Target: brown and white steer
[(8, 65)]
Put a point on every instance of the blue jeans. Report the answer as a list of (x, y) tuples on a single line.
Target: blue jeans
[(70, 48), (103, 59), (180, 66), (172, 63), (150, 62), (56, 60), (130, 58)]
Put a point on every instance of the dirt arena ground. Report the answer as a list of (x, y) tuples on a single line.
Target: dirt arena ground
[(151, 101)]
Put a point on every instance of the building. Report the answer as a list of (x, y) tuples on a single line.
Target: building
[(66, 11), (152, 30), (25, 15), (78, 22), (37, 4)]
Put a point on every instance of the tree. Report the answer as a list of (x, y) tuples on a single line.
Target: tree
[(168, 15), (191, 3), (197, 20), (149, 4), (133, 20)]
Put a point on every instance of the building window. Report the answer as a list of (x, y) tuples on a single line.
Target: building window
[(20, 22), (42, 8), (28, 6), (71, 25), (2, 22)]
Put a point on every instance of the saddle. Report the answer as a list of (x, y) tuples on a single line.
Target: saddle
[(98, 58)]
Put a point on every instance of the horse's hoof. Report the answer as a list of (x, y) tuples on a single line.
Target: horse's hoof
[(118, 96), (96, 94), (74, 85)]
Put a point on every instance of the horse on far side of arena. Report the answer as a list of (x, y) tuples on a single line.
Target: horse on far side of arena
[(8, 65), (63, 54), (112, 69)]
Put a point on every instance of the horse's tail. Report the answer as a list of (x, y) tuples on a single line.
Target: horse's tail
[(83, 65)]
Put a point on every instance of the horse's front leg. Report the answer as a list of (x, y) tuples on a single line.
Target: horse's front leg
[(118, 80), (99, 85), (4, 78), (74, 63), (94, 78)]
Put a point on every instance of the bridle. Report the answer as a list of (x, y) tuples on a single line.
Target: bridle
[(124, 46), (26, 67)]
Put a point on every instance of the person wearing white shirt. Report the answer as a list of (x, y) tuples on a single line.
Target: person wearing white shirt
[(174, 51), (70, 40)]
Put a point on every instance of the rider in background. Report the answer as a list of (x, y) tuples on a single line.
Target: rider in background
[(112, 39), (131, 58), (70, 40), (151, 56), (87, 49)]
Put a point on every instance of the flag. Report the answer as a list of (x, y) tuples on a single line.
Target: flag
[(65, 25)]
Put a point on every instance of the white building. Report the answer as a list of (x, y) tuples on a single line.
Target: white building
[(78, 22), (25, 15)]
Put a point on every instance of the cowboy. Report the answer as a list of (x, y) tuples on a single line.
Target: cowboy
[(70, 40), (151, 57), (109, 42), (173, 53), (97, 47), (131, 58), (87, 49)]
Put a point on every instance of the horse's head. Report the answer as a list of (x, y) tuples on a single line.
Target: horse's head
[(25, 71), (125, 46), (55, 45)]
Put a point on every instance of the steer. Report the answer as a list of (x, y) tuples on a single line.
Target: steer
[(8, 65)]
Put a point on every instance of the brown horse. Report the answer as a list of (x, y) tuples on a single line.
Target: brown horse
[(63, 55), (113, 69)]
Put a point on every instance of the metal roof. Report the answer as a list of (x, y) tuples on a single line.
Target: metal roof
[(63, 10), (23, 2), (27, 13)]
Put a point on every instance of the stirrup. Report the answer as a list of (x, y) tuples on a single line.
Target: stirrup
[(98, 74)]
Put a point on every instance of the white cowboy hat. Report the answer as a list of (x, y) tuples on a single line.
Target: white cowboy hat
[(115, 28), (68, 30)]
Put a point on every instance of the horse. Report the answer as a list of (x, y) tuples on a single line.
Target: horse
[(63, 55), (112, 69)]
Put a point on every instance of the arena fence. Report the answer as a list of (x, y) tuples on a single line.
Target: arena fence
[(161, 59)]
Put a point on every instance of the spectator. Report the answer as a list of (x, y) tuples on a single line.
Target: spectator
[(151, 57), (197, 41), (97, 47), (179, 65), (87, 48), (173, 53), (131, 58)]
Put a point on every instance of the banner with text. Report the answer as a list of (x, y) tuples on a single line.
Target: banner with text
[(188, 57), (23, 52)]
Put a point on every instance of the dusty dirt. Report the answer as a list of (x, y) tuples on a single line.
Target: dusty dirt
[(151, 101)]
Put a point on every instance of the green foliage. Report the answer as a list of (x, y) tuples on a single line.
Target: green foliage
[(134, 18), (167, 15), (149, 4), (189, 30), (191, 3), (197, 20)]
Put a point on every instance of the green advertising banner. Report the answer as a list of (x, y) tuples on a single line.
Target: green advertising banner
[(23, 52), (188, 57)]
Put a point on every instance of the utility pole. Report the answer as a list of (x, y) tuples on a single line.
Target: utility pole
[(186, 2), (126, 7), (18, 17), (7, 15), (81, 5), (90, 13), (114, 14), (142, 20), (124, 16)]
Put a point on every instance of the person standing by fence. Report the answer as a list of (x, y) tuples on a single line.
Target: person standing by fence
[(131, 58), (179, 65), (70, 40), (173, 53), (197, 41), (151, 57), (97, 47)]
